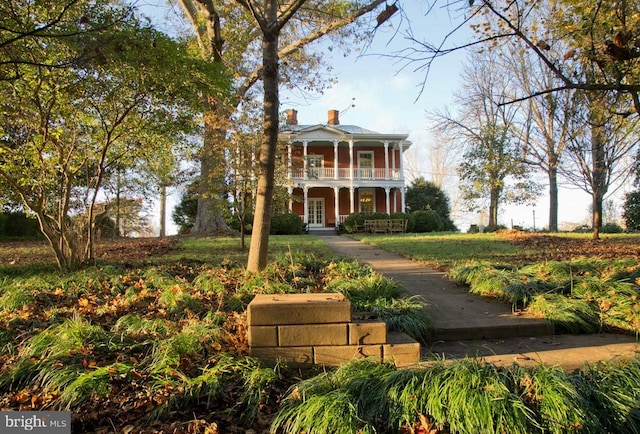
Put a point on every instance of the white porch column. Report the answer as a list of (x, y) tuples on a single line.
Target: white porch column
[(305, 191), (335, 159), (336, 197), (289, 163), (395, 200), (387, 190), (386, 160), (402, 199), (351, 200), (351, 160), (304, 160), (401, 167), (393, 159), (290, 191)]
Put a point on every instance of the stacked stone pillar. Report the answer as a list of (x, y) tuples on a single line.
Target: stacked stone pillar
[(318, 329)]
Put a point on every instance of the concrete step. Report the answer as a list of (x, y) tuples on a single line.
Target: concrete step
[(467, 325), (568, 351)]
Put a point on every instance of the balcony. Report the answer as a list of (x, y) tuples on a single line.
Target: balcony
[(329, 174)]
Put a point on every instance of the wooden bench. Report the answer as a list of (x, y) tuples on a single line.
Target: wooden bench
[(398, 226), (385, 226)]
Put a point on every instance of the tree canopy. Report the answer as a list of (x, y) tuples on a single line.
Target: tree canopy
[(90, 98), (423, 195)]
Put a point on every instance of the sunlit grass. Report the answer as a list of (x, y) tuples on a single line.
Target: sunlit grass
[(465, 397), (445, 249), (228, 250)]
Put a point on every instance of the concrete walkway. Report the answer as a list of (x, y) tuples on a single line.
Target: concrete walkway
[(467, 325)]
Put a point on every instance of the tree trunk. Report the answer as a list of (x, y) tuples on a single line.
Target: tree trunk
[(596, 216), (598, 169), (553, 199), (209, 217), (259, 248), (163, 211), (493, 208), (118, 218)]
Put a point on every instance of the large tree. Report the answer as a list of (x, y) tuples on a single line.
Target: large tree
[(603, 33), (264, 41), (65, 124), (423, 195), (227, 33), (547, 118), (601, 37), (491, 169), (599, 154)]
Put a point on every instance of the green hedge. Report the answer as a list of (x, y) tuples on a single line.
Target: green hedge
[(286, 224), (18, 225)]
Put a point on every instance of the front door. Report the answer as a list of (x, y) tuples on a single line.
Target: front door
[(316, 212)]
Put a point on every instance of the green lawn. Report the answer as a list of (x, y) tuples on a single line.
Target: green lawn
[(216, 250), (446, 249)]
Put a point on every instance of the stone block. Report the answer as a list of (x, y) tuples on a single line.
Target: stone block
[(335, 355), (367, 332), (401, 349), (312, 334), (263, 336), (287, 309), (292, 356)]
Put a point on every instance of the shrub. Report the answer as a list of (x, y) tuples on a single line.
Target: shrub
[(286, 224), (18, 225), (612, 228), (405, 216), (234, 223), (631, 211), (427, 221)]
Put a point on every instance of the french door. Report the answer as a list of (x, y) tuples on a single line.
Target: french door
[(316, 212)]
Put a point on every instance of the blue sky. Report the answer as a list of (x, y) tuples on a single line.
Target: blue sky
[(384, 94), (389, 98)]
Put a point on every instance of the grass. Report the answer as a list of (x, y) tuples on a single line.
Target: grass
[(446, 249), (160, 342), (227, 250), (584, 295), (465, 397), (167, 337)]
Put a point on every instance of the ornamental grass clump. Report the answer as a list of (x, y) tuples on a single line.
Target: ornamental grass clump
[(465, 397), (612, 392), (406, 315), (332, 402), (54, 357), (566, 313), (367, 288), (579, 296), (241, 383), (554, 398), (476, 397), (90, 383)]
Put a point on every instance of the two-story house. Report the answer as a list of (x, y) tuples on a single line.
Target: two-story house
[(338, 170)]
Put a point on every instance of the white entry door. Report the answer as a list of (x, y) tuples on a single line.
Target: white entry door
[(316, 212)]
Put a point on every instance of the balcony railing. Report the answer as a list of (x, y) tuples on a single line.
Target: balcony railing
[(358, 173)]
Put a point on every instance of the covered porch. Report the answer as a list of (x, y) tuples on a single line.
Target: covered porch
[(321, 207)]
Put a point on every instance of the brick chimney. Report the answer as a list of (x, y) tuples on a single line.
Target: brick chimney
[(292, 117), (333, 117)]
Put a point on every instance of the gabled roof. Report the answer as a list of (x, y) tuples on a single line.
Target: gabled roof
[(345, 129), (338, 132)]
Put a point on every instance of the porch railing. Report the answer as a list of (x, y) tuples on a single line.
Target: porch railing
[(328, 173)]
